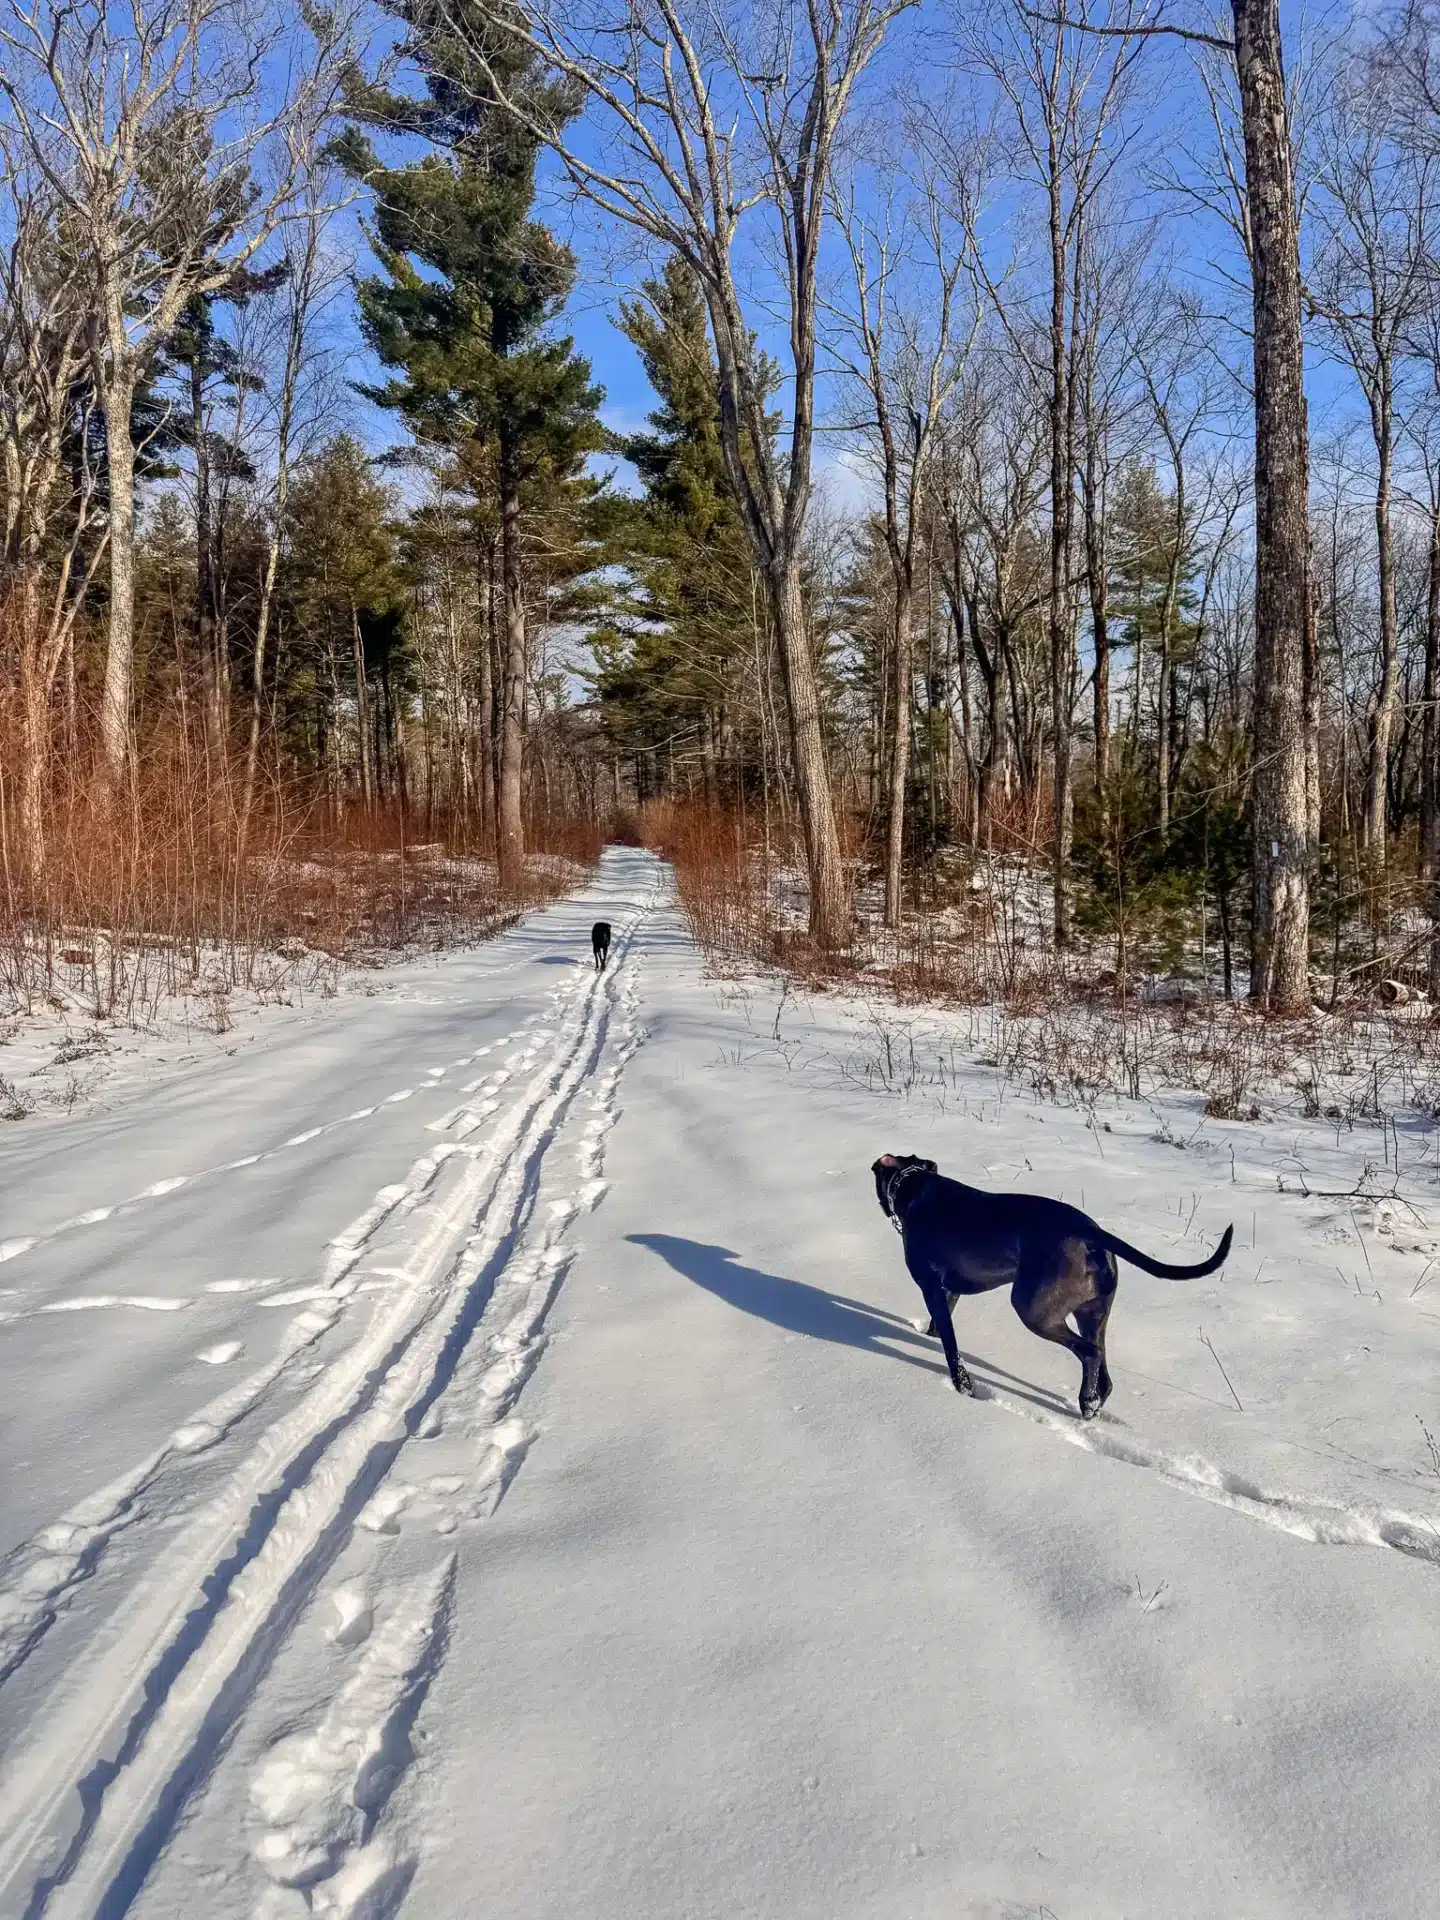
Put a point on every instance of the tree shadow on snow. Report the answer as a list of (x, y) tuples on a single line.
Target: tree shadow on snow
[(797, 1307)]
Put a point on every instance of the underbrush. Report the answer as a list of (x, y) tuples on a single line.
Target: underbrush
[(174, 887), (1067, 1027)]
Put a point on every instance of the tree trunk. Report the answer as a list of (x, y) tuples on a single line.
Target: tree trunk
[(1058, 626), (510, 835), (205, 622), (1165, 677), (118, 692), (1227, 973), (35, 730), (1377, 761), (1099, 585), (362, 709), (487, 696), (1430, 740), (1279, 960), (262, 639), (1312, 710), (900, 752), (829, 915)]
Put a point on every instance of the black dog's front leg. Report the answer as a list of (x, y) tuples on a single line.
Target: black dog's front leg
[(938, 1301)]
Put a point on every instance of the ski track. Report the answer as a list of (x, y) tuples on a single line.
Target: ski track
[(92, 1793), (319, 1793), (13, 1248)]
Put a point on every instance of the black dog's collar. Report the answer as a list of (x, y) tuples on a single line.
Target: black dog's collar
[(894, 1184)]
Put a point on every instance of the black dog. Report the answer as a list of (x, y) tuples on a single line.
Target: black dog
[(1056, 1261), (600, 943)]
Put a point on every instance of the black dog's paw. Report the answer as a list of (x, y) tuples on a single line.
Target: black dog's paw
[(962, 1383), (930, 1330), (1089, 1408)]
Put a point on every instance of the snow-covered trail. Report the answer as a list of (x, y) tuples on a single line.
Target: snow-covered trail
[(211, 1378), (481, 1548)]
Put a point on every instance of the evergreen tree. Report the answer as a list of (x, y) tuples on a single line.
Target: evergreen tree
[(344, 590), (468, 286), (1152, 601)]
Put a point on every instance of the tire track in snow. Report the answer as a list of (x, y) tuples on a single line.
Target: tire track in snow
[(90, 1797)]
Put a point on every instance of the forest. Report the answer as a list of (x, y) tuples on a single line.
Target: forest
[(1037, 472)]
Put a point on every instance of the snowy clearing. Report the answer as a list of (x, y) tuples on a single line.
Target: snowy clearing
[(470, 1452)]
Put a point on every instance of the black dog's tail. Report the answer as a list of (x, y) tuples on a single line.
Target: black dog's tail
[(1162, 1268)]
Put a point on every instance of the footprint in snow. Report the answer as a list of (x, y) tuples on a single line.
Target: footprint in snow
[(352, 1605), (222, 1353)]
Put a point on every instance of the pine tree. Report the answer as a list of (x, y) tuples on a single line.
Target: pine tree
[(344, 591), (468, 287), (1152, 601)]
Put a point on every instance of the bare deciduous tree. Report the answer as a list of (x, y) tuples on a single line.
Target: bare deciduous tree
[(1065, 84), (914, 334), (313, 276), (712, 121), (52, 544), (153, 131), (1370, 273)]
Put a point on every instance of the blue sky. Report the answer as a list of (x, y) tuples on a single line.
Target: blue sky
[(1172, 119)]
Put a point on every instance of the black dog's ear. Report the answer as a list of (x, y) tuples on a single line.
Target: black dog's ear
[(929, 1166)]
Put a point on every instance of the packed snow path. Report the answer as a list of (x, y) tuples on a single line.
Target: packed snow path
[(390, 1525)]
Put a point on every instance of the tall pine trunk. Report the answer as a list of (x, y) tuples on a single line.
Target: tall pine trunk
[(1280, 947), (486, 744), (510, 829)]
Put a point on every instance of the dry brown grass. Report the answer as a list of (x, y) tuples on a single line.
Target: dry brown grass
[(169, 887)]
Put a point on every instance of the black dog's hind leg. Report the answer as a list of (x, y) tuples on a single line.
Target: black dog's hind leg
[(1091, 1319), (1043, 1302)]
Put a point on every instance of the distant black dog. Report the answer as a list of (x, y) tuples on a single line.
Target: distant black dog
[(600, 943), (1056, 1261)]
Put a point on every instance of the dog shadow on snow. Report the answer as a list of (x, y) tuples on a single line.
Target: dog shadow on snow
[(796, 1307)]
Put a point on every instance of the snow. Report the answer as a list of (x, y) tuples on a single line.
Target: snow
[(470, 1451)]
